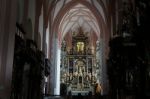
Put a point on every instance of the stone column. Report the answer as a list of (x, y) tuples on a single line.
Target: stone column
[(101, 63), (55, 68), (99, 59), (7, 36), (52, 69), (104, 77)]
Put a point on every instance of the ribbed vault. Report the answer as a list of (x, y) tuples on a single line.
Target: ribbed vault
[(79, 16), (90, 15)]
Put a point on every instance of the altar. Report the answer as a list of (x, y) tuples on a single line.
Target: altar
[(78, 65), (83, 93)]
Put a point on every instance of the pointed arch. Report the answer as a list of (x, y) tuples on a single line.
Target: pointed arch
[(93, 9)]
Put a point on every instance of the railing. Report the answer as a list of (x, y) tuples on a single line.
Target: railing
[(19, 31)]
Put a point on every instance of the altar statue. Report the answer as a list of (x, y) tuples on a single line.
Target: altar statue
[(80, 47), (98, 89)]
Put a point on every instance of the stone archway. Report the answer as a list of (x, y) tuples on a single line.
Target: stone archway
[(57, 36)]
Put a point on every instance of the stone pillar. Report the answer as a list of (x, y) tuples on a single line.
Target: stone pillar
[(55, 69), (104, 68), (52, 68), (101, 63), (7, 36), (99, 59)]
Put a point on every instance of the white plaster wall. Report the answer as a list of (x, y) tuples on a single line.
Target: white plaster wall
[(2, 21), (117, 13), (100, 9), (7, 34), (28, 29), (105, 2), (31, 14), (47, 40), (40, 30), (89, 1), (20, 10), (57, 8), (112, 26), (68, 1)]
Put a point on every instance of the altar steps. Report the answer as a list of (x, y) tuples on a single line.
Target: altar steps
[(54, 97), (75, 97)]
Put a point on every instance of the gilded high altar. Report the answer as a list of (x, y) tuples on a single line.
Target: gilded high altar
[(78, 65)]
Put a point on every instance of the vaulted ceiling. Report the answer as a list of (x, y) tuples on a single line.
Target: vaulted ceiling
[(90, 15), (79, 16)]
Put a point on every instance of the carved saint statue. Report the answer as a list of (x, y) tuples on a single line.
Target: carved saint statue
[(80, 47)]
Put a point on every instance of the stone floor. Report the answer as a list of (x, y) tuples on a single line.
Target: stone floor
[(92, 97)]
